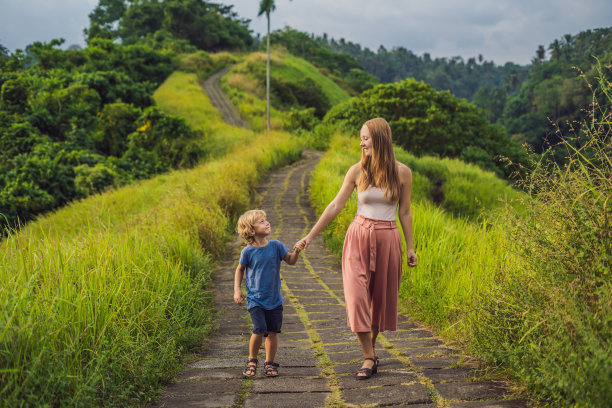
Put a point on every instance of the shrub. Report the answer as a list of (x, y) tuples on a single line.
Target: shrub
[(196, 62), (297, 119), (427, 122), (14, 95), (117, 121), (91, 180)]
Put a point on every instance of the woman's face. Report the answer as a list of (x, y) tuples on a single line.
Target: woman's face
[(366, 140)]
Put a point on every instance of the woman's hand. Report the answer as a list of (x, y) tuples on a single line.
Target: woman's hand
[(411, 257), (302, 244)]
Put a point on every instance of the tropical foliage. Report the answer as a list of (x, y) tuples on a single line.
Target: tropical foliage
[(425, 121), (556, 93), (205, 25), (77, 122)]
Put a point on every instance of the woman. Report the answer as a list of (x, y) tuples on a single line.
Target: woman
[(372, 253)]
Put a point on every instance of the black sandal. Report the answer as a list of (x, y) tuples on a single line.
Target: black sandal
[(367, 371), (271, 368), (250, 370)]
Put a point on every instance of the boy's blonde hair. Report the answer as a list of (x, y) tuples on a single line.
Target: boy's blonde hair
[(246, 224)]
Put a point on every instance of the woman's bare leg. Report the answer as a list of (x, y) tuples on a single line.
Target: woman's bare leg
[(373, 336), (365, 340)]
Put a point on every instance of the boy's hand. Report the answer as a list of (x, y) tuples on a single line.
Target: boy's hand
[(302, 244), (238, 296)]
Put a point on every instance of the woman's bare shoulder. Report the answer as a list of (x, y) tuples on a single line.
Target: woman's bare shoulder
[(355, 169), (404, 172), (353, 173)]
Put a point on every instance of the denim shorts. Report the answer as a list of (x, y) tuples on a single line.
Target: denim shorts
[(265, 321)]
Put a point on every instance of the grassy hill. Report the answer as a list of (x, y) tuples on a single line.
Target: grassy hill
[(182, 95), (245, 84)]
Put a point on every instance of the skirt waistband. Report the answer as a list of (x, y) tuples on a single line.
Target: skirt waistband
[(373, 225)]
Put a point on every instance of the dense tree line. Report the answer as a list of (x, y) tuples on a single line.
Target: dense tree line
[(426, 121), (536, 104), (206, 25), (75, 122), (557, 93), (462, 78)]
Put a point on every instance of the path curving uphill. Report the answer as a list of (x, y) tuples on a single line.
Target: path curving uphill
[(318, 354), (221, 101)]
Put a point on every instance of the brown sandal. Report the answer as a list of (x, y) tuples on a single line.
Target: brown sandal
[(367, 371), (250, 370), (271, 369)]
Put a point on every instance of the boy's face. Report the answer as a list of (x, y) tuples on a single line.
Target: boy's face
[(262, 227)]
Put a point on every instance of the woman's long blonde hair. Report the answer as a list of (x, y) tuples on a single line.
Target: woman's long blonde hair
[(379, 169)]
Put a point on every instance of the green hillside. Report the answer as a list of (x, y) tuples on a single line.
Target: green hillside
[(182, 94), (295, 84)]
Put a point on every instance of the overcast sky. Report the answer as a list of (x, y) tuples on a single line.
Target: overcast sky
[(500, 30)]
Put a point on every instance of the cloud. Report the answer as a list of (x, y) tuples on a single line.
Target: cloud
[(501, 30)]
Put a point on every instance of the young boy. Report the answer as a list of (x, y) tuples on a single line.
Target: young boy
[(261, 259)]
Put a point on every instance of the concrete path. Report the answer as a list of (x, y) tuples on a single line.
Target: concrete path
[(318, 354), (221, 101)]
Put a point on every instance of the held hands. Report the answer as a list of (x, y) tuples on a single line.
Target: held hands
[(302, 244), (411, 257), (238, 296)]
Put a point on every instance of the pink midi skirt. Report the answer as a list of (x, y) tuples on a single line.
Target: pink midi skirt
[(371, 274)]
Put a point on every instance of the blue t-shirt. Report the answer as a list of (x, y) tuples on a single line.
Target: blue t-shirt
[(263, 274)]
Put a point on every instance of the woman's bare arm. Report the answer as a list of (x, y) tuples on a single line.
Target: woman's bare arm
[(334, 208), (405, 214)]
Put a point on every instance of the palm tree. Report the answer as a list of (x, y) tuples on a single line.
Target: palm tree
[(267, 6)]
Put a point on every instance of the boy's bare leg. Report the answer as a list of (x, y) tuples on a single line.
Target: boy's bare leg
[(271, 346), (255, 345)]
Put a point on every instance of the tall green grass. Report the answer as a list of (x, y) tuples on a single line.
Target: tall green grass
[(99, 299), (551, 322), (295, 68), (182, 95)]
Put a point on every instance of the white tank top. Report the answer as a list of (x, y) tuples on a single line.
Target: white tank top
[(372, 203)]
